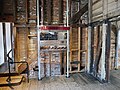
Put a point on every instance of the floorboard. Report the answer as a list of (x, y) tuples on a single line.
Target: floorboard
[(79, 81)]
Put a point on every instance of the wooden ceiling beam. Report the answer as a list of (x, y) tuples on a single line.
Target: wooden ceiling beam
[(77, 16)]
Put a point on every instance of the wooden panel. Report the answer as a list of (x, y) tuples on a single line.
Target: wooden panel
[(97, 9), (22, 43), (78, 48), (111, 8)]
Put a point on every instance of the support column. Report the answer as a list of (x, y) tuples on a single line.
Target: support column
[(103, 72), (89, 36), (117, 50), (89, 49)]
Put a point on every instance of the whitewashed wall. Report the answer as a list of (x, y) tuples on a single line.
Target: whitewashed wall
[(1, 45), (8, 41), (8, 37)]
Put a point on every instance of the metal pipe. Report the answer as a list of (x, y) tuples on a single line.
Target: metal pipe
[(67, 13), (67, 41), (38, 38)]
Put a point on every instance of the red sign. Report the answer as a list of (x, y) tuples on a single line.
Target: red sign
[(54, 28)]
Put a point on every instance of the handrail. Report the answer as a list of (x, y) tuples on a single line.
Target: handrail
[(10, 61)]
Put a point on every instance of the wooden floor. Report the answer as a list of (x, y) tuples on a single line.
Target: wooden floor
[(75, 82)]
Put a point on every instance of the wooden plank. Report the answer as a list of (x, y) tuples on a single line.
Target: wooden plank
[(86, 47), (79, 81), (64, 62)]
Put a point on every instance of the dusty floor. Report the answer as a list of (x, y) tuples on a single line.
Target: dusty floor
[(75, 82)]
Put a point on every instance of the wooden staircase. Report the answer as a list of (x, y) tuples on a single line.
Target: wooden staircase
[(12, 78), (15, 80)]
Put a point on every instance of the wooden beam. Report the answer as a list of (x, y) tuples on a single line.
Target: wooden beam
[(77, 16), (95, 2), (107, 58)]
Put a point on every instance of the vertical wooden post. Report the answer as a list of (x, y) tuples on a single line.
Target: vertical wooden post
[(92, 49), (108, 44), (86, 47), (12, 39), (70, 48), (117, 48), (89, 35), (105, 41), (27, 42), (105, 52), (103, 72)]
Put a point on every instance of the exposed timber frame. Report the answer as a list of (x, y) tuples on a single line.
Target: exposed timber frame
[(101, 61)]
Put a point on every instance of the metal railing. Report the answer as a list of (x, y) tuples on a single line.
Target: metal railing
[(10, 61)]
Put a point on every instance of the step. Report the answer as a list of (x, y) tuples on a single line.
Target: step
[(15, 80), (7, 74)]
